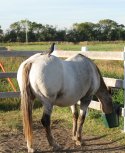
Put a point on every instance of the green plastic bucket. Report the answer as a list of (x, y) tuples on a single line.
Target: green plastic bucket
[(111, 120)]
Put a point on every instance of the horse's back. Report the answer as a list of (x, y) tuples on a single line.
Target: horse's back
[(86, 70)]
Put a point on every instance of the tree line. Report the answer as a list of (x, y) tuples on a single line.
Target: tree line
[(104, 30)]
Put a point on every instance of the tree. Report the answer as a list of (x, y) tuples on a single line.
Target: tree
[(20, 28), (108, 29), (10, 36), (104, 30), (34, 31), (1, 34), (85, 30), (49, 33), (121, 32), (72, 35), (60, 35)]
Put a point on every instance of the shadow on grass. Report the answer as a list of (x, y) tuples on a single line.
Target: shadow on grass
[(98, 147), (105, 149)]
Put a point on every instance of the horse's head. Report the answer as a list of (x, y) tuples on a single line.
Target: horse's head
[(107, 104), (104, 96)]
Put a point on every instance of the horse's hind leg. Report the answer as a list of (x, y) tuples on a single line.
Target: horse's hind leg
[(46, 123), (85, 101), (75, 118)]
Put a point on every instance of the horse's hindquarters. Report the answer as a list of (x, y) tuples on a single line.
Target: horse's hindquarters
[(46, 77)]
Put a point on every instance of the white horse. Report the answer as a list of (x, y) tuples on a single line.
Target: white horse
[(63, 83)]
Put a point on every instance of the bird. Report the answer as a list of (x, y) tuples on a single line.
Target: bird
[(51, 49)]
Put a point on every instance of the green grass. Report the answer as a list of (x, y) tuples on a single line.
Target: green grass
[(94, 46), (45, 47), (107, 47)]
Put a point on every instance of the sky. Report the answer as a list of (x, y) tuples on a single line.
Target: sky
[(61, 13)]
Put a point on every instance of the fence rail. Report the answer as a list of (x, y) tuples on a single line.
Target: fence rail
[(99, 55), (9, 94), (8, 75), (111, 82), (65, 54), (19, 53)]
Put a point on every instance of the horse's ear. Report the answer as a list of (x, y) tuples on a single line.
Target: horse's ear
[(51, 48)]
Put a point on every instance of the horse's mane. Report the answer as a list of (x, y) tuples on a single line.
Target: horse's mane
[(102, 83)]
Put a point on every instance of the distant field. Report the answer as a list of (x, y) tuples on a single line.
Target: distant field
[(95, 46)]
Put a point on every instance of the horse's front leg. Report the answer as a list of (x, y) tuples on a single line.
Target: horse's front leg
[(75, 118), (83, 107), (46, 123)]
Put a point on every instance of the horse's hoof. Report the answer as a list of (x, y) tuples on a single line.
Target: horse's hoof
[(56, 147), (30, 150), (74, 138), (79, 143)]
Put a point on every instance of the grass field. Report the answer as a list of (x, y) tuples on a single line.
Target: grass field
[(94, 46), (10, 119)]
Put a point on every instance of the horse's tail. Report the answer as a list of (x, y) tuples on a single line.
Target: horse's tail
[(26, 102)]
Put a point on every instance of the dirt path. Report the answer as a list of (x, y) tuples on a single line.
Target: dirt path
[(11, 142)]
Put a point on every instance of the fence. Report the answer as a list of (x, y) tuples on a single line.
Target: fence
[(110, 82)]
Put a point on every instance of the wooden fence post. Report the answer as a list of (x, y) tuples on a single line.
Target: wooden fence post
[(9, 80), (84, 49)]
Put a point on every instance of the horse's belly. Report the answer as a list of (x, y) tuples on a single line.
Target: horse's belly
[(65, 101)]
